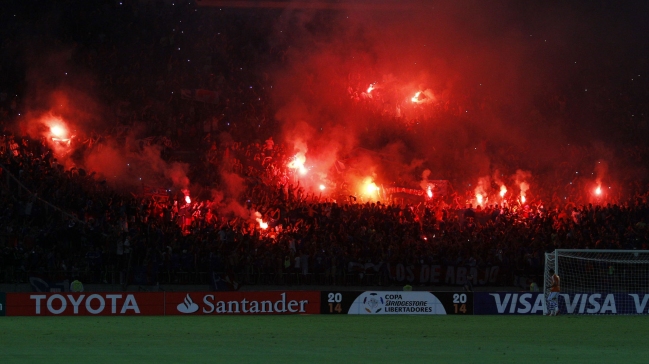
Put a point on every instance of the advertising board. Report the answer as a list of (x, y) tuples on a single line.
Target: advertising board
[(533, 303), (604, 303), (242, 303), (508, 303), (84, 304), (396, 303)]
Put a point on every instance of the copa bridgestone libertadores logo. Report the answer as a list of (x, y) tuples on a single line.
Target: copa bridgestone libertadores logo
[(187, 306), (397, 302), (373, 303)]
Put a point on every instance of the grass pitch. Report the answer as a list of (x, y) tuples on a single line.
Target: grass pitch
[(321, 338)]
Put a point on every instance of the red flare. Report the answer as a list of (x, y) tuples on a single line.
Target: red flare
[(263, 225)]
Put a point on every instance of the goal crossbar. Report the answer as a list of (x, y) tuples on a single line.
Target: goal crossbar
[(637, 253)]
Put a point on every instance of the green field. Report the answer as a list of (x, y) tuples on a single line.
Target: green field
[(316, 338)]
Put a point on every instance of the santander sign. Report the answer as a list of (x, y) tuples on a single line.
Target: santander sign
[(253, 306), (243, 303)]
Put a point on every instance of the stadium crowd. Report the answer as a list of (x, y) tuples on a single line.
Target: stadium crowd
[(69, 222), (60, 223)]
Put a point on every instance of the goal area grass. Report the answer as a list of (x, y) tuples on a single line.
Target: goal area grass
[(326, 339)]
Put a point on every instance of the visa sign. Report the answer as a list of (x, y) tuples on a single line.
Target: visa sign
[(533, 303), (585, 303), (518, 303)]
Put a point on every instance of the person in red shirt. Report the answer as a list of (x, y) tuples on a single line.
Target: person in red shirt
[(553, 298)]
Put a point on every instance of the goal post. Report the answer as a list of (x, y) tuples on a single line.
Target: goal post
[(600, 281)]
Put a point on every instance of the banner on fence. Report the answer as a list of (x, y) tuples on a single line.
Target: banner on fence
[(444, 275), (2, 303), (84, 304), (396, 302), (243, 303)]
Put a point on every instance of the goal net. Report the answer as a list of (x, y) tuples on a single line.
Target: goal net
[(600, 281)]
